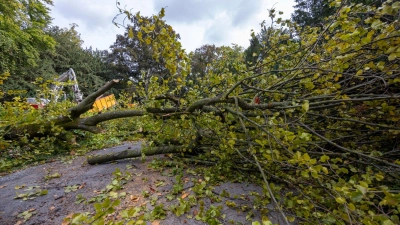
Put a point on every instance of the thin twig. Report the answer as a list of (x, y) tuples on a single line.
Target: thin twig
[(261, 169), (348, 150)]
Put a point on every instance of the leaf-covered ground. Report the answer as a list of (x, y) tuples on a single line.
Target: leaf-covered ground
[(148, 192)]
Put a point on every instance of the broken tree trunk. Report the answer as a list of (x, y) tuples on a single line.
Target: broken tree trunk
[(132, 153)]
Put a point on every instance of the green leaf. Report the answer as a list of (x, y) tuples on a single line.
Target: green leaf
[(351, 206), (98, 207), (356, 196), (231, 142), (305, 136), (362, 189), (314, 174), (391, 199), (304, 173), (113, 194), (305, 106), (266, 221), (324, 158), (376, 24), (306, 157), (291, 219), (388, 222), (230, 204)]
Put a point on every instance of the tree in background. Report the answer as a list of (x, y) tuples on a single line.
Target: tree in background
[(311, 12), (202, 58), (23, 37), (133, 58), (314, 12), (89, 65), (209, 63), (260, 43), (252, 53)]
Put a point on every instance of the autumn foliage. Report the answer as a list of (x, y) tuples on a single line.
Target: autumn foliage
[(315, 120)]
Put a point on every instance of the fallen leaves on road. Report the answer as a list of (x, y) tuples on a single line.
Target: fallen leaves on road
[(184, 195), (134, 198), (155, 222)]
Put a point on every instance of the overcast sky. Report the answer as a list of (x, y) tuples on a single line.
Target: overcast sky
[(199, 22)]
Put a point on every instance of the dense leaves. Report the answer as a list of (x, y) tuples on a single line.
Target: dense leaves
[(314, 118), (88, 64), (315, 12), (324, 135), (22, 36), (136, 60)]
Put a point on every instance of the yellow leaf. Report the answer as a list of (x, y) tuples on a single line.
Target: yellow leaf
[(392, 56), (184, 195), (325, 170), (340, 200), (305, 106), (291, 219), (134, 198), (379, 177), (306, 157), (130, 33), (140, 36), (324, 158), (266, 221)]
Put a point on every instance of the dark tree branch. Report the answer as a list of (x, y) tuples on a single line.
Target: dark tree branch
[(134, 153), (87, 103)]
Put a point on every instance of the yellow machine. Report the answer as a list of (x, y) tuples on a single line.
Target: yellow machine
[(103, 103)]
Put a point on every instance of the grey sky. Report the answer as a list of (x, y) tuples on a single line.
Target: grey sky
[(199, 22)]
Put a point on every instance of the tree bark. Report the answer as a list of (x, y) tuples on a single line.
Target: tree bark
[(128, 153)]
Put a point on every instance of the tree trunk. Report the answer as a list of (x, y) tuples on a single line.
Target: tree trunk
[(132, 153)]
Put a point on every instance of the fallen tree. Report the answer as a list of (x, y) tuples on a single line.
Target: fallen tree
[(318, 113)]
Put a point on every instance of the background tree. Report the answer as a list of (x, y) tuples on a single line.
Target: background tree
[(314, 12), (89, 65), (252, 53), (22, 31), (201, 60), (209, 63), (134, 60), (311, 12)]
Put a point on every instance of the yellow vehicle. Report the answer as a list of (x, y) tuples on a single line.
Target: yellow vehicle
[(103, 103)]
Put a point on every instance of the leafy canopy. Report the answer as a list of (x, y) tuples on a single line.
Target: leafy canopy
[(22, 33), (326, 125)]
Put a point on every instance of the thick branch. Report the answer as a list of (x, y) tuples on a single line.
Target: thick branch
[(133, 153), (87, 103), (202, 102), (169, 97), (94, 120)]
